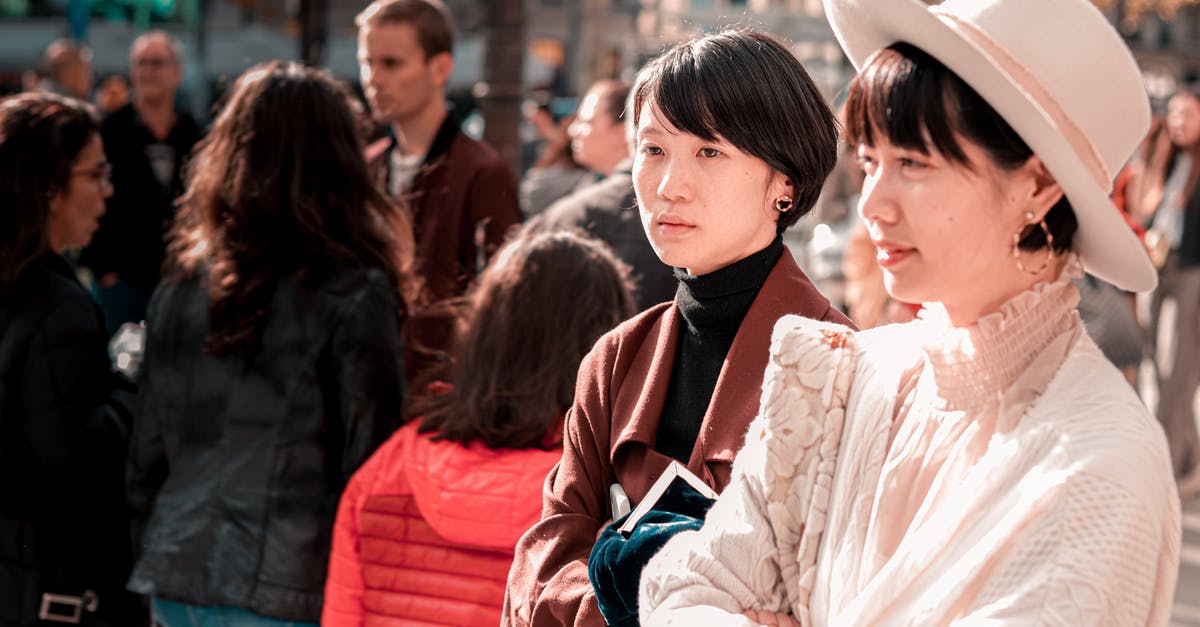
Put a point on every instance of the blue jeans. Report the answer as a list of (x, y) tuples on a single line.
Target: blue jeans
[(172, 614)]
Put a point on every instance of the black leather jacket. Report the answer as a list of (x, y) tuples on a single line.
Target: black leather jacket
[(239, 463), (64, 425)]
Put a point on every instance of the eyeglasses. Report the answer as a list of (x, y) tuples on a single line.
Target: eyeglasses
[(154, 63), (101, 174)]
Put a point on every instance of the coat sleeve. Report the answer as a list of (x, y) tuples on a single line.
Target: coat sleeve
[(146, 467), (758, 546), (344, 584), (77, 411), (548, 583), (366, 383)]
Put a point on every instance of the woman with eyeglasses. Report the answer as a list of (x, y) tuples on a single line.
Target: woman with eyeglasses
[(64, 414)]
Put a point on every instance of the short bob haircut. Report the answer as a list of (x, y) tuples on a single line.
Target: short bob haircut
[(41, 135), (748, 89), (919, 104), (430, 18)]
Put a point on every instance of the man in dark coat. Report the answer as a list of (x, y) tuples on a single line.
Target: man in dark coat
[(148, 141), (459, 193), (607, 209)]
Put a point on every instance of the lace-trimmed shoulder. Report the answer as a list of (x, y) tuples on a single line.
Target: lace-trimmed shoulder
[(805, 390)]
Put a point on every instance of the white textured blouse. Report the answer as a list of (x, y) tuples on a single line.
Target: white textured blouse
[(921, 474)]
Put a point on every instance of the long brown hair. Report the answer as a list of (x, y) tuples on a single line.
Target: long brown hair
[(536, 311), (280, 188), (1156, 158), (41, 135)]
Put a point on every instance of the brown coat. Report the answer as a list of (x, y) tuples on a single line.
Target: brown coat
[(609, 437), (462, 202)]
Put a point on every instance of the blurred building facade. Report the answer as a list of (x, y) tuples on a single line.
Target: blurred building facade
[(571, 43)]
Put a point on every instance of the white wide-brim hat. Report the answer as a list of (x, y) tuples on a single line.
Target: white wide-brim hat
[(1058, 73)]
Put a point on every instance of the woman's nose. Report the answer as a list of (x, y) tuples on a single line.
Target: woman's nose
[(877, 203), (675, 182)]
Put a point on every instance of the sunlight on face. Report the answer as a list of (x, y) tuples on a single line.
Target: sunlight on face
[(704, 204), (943, 232)]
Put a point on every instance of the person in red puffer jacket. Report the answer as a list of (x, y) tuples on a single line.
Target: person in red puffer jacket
[(426, 528)]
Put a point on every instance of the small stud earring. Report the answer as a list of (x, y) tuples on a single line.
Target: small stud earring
[(783, 204)]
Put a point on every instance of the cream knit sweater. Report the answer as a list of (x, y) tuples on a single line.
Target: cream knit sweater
[(1003, 473)]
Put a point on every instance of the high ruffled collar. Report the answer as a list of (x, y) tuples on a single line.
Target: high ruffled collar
[(977, 364)]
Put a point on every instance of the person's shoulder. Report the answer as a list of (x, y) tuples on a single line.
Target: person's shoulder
[(638, 326), (358, 287), (122, 117), (797, 294), (627, 338), (64, 312), (474, 153), (611, 194), (1097, 417), (187, 126), (116, 127)]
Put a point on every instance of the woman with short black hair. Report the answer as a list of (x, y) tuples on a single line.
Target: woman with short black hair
[(722, 168)]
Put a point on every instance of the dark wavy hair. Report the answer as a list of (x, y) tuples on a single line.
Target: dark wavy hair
[(536, 310), (280, 188), (747, 88), (917, 103), (41, 135)]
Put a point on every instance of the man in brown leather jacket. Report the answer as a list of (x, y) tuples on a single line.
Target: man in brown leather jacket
[(461, 196)]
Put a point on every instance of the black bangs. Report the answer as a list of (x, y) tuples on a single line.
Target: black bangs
[(909, 95), (672, 87), (747, 89)]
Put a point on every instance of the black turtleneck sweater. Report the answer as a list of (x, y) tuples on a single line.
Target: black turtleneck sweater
[(712, 306)]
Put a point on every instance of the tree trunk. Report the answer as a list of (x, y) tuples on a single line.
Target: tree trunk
[(503, 71), (314, 16)]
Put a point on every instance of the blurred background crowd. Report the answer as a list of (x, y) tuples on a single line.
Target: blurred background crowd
[(538, 88)]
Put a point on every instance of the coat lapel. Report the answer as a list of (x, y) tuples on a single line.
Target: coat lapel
[(736, 397)]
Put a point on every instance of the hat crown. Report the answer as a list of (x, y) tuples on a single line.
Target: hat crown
[(1062, 78), (1077, 57)]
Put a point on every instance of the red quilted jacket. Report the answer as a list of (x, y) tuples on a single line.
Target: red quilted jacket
[(425, 532)]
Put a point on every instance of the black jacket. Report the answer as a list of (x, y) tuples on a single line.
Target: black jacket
[(64, 417), (607, 211), (131, 237), (239, 463)]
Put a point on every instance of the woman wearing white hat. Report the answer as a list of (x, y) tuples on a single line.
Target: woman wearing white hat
[(984, 464)]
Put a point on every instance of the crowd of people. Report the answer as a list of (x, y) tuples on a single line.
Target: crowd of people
[(383, 379)]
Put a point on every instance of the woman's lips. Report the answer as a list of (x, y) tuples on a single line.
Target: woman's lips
[(888, 255), (674, 226)]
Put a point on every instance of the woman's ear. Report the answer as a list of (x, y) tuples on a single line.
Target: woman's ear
[(1044, 191), (780, 185)]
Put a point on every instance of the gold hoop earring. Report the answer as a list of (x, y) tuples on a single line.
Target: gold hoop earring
[(1016, 250), (783, 204)]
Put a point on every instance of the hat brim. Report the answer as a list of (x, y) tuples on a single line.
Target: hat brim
[(1106, 245)]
